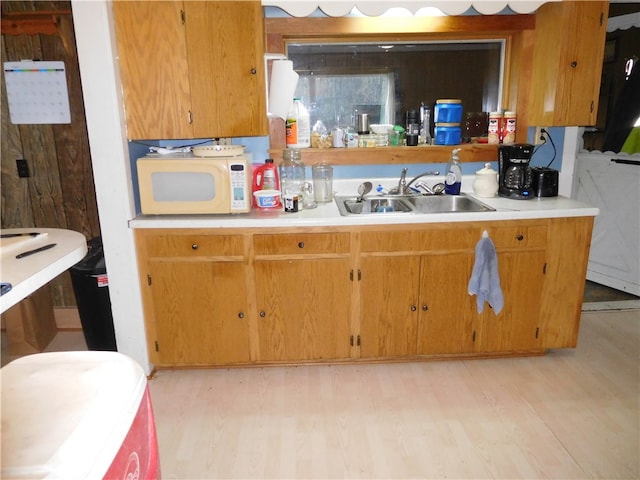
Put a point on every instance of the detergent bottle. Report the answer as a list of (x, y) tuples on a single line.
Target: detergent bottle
[(265, 177)]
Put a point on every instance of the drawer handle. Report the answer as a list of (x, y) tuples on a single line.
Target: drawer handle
[(300, 244), (520, 237), (263, 314), (194, 246), (574, 64), (253, 71), (241, 315)]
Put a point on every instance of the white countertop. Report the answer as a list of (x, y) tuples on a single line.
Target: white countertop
[(28, 274), (327, 214)]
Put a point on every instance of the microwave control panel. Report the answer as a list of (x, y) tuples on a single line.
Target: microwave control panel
[(239, 186)]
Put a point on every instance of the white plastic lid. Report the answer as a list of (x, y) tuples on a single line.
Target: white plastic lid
[(487, 170), (66, 414)]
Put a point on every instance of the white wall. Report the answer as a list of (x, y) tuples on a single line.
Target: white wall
[(103, 104)]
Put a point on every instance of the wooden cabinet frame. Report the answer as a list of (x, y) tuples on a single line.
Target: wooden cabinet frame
[(543, 278)]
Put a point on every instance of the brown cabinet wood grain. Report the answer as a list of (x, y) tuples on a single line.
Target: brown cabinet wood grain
[(192, 69), (288, 295), (200, 312), (225, 49), (195, 297), (415, 282), (567, 63), (304, 309), (154, 69)]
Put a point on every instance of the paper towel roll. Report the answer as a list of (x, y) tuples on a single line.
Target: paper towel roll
[(282, 87)]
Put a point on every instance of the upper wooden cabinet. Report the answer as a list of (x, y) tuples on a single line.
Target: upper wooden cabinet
[(192, 69), (567, 63)]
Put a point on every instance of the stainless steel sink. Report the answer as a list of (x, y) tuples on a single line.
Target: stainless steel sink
[(373, 206), (409, 204), (447, 204)]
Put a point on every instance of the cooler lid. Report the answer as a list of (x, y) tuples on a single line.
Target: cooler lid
[(66, 414)]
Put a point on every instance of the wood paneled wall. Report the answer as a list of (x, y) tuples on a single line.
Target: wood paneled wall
[(60, 191)]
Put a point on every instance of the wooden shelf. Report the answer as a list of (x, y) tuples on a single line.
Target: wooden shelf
[(398, 155)]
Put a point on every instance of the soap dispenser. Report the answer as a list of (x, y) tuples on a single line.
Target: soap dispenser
[(453, 179)]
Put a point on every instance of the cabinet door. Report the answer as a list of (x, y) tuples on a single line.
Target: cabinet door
[(515, 328), (152, 51), (304, 309), (225, 41), (389, 305), (563, 289), (447, 312), (567, 63), (200, 312)]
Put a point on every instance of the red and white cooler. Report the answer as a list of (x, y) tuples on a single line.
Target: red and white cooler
[(72, 415)]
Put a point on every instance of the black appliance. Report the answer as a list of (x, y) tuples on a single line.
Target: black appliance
[(545, 181), (514, 174)]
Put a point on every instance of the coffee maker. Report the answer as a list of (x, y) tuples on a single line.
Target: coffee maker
[(514, 173)]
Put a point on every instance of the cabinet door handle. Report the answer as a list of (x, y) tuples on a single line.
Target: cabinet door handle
[(194, 246), (425, 308), (253, 71), (574, 64), (300, 244), (241, 315), (413, 308), (520, 237), (263, 314)]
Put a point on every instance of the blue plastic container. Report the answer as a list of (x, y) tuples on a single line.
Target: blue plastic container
[(447, 134), (448, 111)]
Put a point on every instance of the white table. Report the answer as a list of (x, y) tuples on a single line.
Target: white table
[(28, 274)]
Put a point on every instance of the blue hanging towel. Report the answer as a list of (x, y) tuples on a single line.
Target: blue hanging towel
[(485, 280)]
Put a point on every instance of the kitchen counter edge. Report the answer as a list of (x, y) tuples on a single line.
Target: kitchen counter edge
[(327, 215)]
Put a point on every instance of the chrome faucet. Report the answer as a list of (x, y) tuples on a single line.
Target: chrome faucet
[(403, 185)]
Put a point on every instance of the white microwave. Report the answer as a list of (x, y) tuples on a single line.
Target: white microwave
[(185, 184)]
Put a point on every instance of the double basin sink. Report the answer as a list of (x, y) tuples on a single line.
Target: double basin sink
[(408, 204)]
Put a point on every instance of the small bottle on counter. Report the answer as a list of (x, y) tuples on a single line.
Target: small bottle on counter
[(453, 179)]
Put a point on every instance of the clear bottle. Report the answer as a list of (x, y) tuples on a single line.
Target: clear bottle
[(298, 126), (292, 173), (453, 179)]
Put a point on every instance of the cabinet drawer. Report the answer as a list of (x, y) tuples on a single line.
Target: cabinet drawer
[(519, 236), (431, 238), (451, 237), (302, 243), (195, 245)]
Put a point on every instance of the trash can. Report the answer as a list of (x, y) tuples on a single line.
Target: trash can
[(91, 288)]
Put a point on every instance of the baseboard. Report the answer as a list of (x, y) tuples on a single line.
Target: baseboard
[(614, 305)]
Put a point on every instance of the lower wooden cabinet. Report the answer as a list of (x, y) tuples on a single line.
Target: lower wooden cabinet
[(200, 311), (346, 293), (415, 297), (196, 301), (303, 309)]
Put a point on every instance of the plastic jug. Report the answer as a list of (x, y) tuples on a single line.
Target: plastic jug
[(298, 126), (265, 177)]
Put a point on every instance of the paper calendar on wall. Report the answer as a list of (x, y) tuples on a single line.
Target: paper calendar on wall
[(37, 92)]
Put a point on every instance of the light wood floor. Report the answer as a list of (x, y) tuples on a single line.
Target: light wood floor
[(569, 414)]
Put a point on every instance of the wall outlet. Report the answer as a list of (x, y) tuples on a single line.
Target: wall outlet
[(23, 168), (222, 141), (538, 137)]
